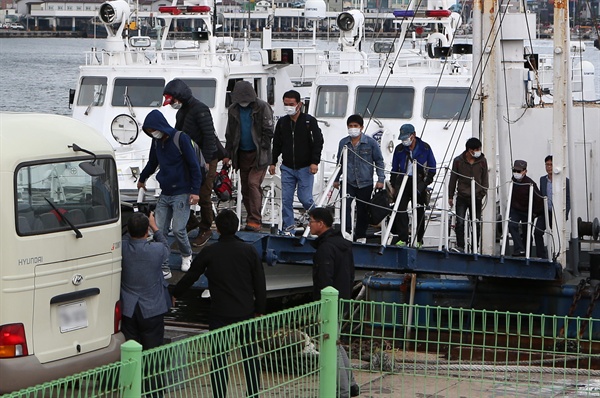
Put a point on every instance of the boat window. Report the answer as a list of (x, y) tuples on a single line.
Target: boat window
[(332, 101), (447, 103), (48, 194), (385, 102), (138, 92), (203, 89), (92, 91)]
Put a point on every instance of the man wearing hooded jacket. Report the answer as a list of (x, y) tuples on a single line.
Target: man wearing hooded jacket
[(179, 177), (249, 133), (194, 118)]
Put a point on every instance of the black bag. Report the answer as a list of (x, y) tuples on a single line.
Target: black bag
[(381, 207)]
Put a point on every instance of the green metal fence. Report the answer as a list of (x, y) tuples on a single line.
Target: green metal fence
[(394, 350)]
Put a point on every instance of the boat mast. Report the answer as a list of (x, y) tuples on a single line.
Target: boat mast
[(562, 100), (489, 113)]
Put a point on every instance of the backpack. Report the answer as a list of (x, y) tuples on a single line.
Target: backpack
[(381, 208), (223, 185), (197, 150)]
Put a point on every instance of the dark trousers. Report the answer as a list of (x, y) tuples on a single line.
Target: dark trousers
[(251, 178), (462, 206), (363, 196), (401, 220), (538, 234), (205, 202), (219, 377), (149, 332), (515, 219)]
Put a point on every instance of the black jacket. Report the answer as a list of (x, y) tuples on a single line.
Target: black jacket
[(333, 264), (300, 143), (520, 197), (194, 118), (236, 278)]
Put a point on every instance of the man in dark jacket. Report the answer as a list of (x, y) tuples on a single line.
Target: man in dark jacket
[(194, 118), (412, 148), (333, 265), (249, 133), (469, 166), (179, 177), (540, 223), (519, 205), (299, 140), (238, 292)]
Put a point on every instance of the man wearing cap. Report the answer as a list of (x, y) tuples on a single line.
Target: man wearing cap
[(249, 133), (412, 148), (469, 166), (519, 205), (194, 118)]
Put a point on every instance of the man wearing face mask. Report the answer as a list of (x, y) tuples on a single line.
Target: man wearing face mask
[(519, 205), (412, 148), (363, 155), (249, 133), (179, 177), (299, 140), (194, 118), (470, 165)]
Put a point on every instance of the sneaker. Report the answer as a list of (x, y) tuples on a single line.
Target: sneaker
[(457, 250), (401, 243), (286, 233), (419, 245), (361, 240), (202, 238), (166, 272), (354, 390), (186, 263), (252, 227), (519, 253)]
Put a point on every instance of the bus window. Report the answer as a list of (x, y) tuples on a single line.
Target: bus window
[(49, 194)]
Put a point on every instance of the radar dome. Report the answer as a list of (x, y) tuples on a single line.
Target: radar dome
[(314, 9)]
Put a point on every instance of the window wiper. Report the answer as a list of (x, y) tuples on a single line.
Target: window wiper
[(447, 125), (64, 217), (95, 102), (128, 103)]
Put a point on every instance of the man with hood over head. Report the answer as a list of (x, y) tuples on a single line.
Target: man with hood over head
[(194, 118), (179, 177), (249, 133)]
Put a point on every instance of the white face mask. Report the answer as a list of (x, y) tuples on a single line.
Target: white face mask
[(407, 142), (353, 132), (157, 134), (290, 110), (476, 154), (176, 105), (517, 176), (244, 104)]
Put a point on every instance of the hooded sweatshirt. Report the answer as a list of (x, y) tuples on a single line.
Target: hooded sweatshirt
[(194, 118), (333, 264), (261, 125), (179, 171)]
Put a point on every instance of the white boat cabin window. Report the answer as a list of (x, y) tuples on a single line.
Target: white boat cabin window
[(92, 91), (385, 102), (203, 89), (50, 195), (447, 103), (138, 92), (332, 101)]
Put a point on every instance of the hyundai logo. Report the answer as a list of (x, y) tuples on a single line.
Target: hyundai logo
[(77, 279)]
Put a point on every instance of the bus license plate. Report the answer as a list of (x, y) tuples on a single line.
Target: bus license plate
[(72, 316)]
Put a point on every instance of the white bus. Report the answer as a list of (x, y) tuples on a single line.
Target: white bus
[(60, 250)]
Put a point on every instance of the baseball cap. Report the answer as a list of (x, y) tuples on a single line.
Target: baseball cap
[(520, 165), (405, 131), (168, 99)]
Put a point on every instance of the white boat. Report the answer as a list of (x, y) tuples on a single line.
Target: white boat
[(123, 80)]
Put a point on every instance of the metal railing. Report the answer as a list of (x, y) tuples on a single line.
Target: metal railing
[(395, 350)]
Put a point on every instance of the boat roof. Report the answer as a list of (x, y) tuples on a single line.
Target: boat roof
[(21, 133)]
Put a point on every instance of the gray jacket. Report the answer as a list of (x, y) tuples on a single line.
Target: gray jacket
[(142, 281), (262, 125)]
